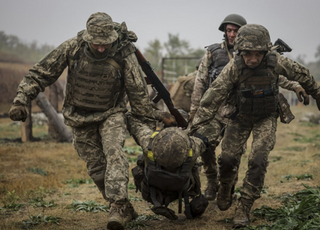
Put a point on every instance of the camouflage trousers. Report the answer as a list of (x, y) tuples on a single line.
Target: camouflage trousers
[(236, 135), (212, 131), (100, 146)]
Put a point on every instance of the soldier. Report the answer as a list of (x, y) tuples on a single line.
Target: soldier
[(102, 69), (254, 75), (168, 169), (182, 89), (216, 57)]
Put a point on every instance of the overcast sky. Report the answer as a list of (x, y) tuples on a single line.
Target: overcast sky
[(196, 21)]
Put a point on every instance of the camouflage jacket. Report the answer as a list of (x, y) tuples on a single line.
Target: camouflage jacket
[(48, 70), (228, 80), (202, 80)]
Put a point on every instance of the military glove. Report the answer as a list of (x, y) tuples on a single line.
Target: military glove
[(18, 112), (169, 120), (302, 95)]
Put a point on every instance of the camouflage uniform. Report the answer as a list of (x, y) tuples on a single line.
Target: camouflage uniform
[(94, 104), (213, 129), (217, 56), (260, 120), (182, 90)]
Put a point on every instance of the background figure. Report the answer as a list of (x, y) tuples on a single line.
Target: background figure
[(182, 90), (216, 57), (254, 76), (102, 69)]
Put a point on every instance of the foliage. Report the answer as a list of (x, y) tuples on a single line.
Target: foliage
[(132, 150), (140, 222), (35, 220), (13, 206), (75, 183), (39, 171), (88, 206), (131, 186), (40, 203), (174, 58), (298, 177), (304, 139), (299, 211), (12, 49)]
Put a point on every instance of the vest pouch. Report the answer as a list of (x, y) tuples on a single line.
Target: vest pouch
[(264, 106), (285, 113), (257, 103)]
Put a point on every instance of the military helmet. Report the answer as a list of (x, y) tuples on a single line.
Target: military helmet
[(235, 19), (171, 148), (253, 37), (100, 29)]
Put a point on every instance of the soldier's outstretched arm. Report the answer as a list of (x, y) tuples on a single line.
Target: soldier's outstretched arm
[(296, 87), (297, 72)]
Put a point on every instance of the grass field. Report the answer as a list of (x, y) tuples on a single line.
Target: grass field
[(44, 184)]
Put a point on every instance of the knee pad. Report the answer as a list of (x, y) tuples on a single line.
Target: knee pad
[(97, 174)]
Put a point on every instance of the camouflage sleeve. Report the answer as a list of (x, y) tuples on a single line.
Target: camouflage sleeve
[(137, 92), (158, 114), (289, 85), (43, 73), (140, 132), (215, 95), (198, 147), (297, 72), (201, 82)]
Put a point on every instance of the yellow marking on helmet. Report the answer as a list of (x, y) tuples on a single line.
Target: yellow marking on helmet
[(150, 155), (190, 153), (154, 134)]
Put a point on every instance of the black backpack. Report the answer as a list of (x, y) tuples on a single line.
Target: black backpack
[(161, 187)]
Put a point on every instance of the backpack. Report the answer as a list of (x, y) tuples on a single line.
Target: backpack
[(161, 187), (182, 90)]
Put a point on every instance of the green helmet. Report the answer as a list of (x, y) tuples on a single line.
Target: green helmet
[(253, 37), (235, 19), (171, 148)]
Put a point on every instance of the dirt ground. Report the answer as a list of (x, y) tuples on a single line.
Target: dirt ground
[(19, 184)]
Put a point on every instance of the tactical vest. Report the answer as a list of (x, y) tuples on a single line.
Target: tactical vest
[(95, 85), (258, 91), (220, 59)]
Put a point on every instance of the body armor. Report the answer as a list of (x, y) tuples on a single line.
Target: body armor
[(220, 59), (97, 85), (258, 91)]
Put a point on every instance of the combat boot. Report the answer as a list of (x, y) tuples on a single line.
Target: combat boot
[(119, 215), (224, 199), (241, 217), (211, 190)]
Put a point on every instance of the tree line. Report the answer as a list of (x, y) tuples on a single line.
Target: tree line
[(12, 49), (170, 59)]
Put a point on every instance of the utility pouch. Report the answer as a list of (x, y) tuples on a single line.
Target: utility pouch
[(285, 113)]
